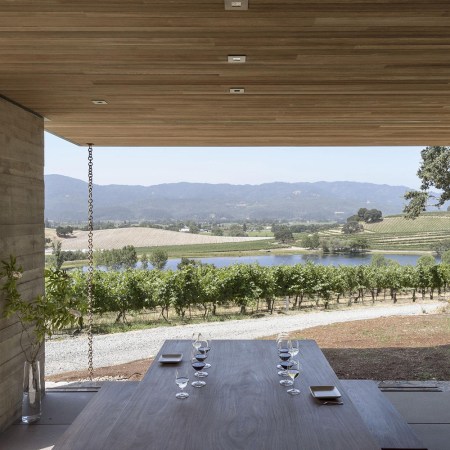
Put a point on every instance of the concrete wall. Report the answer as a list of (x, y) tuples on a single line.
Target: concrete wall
[(21, 235)]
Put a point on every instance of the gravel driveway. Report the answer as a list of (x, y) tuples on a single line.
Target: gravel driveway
[(63, 355)]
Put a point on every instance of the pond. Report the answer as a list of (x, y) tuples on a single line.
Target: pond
[(290, 260)]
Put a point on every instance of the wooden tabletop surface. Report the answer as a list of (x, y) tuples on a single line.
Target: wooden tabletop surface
[(243, 406)]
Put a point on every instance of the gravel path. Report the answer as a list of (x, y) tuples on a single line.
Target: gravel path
[(63, 355)]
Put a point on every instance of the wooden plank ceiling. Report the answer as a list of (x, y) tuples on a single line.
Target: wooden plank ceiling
[(318, 72)]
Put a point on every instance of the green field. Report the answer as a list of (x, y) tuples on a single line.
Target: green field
[(228, 248), (398, 233)]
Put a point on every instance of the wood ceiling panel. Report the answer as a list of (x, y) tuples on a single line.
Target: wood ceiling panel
[(335, 72)]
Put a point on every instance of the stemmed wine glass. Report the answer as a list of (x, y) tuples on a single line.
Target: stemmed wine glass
[(285, 365), (204, 349), (293, 373), (293, 348), (182, 379), (283, 352), (196, 338), (198, 365), (282, 341)]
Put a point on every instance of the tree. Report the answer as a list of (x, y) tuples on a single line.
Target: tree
[(158, 258), (441, 247), (426, 260), (372, 215), (283, 234), (187, 262), (434, 172), (362, 212), (144, 261), (445, 258), (366, 215), (359, 244), (115, 258), (311, 241), (379, 260), (354, 218), (64, 231), (128, 256), (236, 230), (193, 228), (352, 227), (216, 231), (57, 255)]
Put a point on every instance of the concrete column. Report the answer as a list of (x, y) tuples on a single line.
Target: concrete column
[(21, 235)]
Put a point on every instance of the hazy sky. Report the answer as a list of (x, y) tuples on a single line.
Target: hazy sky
[(243, 165)]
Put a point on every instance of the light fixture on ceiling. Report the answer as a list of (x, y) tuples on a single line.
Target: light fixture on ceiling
[(99, 102), (233, 5), (237, 59), (237, 91)]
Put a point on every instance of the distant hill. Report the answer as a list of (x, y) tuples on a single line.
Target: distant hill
[(66, 200)]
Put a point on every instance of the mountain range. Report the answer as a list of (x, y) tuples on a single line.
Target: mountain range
[(66, 201)]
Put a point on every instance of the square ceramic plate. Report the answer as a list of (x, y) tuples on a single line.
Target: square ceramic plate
[(170, 358), (325, 392)]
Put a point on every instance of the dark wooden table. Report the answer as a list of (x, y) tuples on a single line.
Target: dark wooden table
[(243, 406)]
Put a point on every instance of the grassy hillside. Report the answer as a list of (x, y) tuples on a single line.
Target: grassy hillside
[(398, 233), (208, 250), (427, 222), (150, 237)]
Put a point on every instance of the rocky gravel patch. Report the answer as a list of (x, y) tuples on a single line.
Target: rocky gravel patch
[(70, 354)]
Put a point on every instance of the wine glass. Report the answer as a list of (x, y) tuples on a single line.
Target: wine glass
[(198, 364), (293, 348), (182, 379), (283, 345), (284, 366), (204, 349), (281, 338), (293, 373), (196, 337)]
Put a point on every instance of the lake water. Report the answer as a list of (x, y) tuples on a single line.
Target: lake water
[(290, 260)]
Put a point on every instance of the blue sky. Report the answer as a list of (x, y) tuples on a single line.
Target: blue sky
[(241, 165)]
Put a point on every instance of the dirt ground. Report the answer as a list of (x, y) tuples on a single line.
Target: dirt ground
[(388, 348)]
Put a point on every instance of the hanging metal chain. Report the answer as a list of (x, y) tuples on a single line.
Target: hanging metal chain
[(90, 262)]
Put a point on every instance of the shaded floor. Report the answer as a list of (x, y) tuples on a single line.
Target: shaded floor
[(428, 412)]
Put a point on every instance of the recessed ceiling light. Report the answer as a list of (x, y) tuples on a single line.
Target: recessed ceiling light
[(237, 59), (232, 5), (99, 102), (237, 90)]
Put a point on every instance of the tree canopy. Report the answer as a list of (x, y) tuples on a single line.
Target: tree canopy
[(366, 215), (283, 233), (352, 227), (64, 231), (158, 258), (116, 258), (434, 172), (311, 241)]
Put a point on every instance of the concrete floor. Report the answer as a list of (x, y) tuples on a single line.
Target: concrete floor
[(428, 413), (59, 410)]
